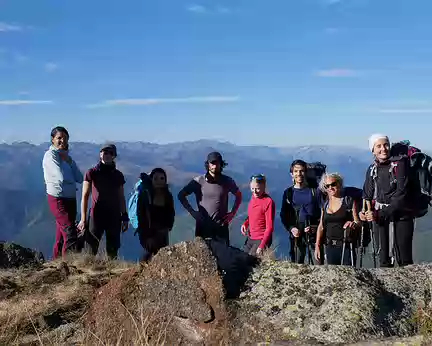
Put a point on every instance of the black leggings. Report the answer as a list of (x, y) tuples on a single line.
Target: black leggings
[(403, 239)]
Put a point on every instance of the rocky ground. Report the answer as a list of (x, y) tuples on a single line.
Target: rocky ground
[(204, 293)]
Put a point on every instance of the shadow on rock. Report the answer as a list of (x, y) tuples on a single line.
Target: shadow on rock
[(234, 265)]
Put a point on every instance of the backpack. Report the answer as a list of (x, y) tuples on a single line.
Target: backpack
[(142, 185), (314, 172), (419, 175)]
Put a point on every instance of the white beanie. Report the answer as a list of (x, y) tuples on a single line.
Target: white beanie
[(373, 139)]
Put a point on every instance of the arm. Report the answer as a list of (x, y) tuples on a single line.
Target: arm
[(52, 169), (122, 200), (186, 191), (355, 212), (320, 231), (143, 214), (77, 173), (286, 213), (234, 189), (237, 202), (246, 222), (269, 219), (171, 212), (86, 191), (368, 186), (398, 199)]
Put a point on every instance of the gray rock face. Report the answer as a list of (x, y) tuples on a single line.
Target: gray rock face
[(333, 303), (15, 256)]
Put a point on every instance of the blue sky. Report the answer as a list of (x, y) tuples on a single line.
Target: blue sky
[(274, 72)]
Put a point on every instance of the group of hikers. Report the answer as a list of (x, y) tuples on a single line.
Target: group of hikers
[(327, 222)]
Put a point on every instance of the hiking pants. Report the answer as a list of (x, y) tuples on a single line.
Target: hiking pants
[(299, 248), (64, 211), (334, 254), (112, 228), (251, 246), (216, 232), (403, 239)]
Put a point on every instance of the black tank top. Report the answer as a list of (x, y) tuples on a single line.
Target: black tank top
[(333, 223)]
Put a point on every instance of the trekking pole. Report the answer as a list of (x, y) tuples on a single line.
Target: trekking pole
[(362, 236), (343, 247), (352, 253), (372, 233), (310, 260), (391, 243)]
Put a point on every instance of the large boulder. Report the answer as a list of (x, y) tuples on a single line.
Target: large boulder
[(333, 304), (15, 256), (178, 297)]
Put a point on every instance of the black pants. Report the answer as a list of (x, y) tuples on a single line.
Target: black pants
[(334, 254), (251, 246), (403, 239), (112, 229), (300, 247), (213, 231)]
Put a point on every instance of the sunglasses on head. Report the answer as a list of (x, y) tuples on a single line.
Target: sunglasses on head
[(258, 177), (333, 184)]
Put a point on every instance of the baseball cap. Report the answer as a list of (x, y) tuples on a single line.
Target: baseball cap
[(214, 156), (109, 146)]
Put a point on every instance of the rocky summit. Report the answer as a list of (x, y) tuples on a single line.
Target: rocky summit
[(205, 293)]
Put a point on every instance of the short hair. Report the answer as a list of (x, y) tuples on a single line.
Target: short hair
[(298, 163), (335, 176)]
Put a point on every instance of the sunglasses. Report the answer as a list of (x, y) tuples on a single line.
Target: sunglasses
[(109, 152), (258, 177), (333, 184)]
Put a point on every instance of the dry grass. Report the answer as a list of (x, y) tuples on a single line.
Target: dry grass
[(141, 328), (422, 320), (35, 303)]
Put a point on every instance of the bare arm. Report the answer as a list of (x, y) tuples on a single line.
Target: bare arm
[(86, 191), (355, 212), (320, 230)]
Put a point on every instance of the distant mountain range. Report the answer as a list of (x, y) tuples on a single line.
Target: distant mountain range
[(25, 218)]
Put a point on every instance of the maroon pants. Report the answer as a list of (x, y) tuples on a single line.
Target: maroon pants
[(64, 211)]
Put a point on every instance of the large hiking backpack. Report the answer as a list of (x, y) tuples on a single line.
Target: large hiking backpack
[(143, 185), (419, 176), (314, 172)]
